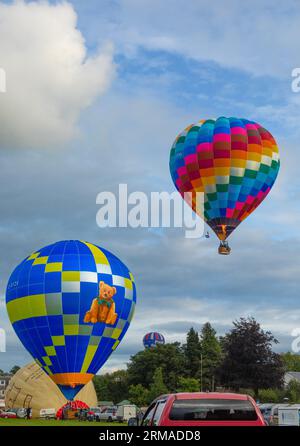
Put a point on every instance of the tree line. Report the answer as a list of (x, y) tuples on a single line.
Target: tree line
[(242, 360), (12, 371)]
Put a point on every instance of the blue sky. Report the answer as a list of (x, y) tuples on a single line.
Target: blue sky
[(141, 71)]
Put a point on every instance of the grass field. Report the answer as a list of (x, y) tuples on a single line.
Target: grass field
[(38, 422)]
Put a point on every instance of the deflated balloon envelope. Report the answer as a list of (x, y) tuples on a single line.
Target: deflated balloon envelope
[(47, 297), (233, 162)]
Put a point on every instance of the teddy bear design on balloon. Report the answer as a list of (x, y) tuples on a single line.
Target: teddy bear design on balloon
[(103, 308)]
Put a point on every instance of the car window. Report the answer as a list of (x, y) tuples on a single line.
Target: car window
[(265, 410), (213, 409), (148, 415), (158, 411)]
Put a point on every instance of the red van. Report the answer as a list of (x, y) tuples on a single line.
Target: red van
[(203, 409)]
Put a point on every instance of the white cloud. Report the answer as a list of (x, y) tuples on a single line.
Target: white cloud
[(258, 36), (50, 78)]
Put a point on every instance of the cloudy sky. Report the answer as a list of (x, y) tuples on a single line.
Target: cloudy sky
[(96, 93)]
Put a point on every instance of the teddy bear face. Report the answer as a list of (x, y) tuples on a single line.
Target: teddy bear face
[(106, 291)]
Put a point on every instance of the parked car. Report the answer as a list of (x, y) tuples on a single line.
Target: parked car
[(266, 411), (289, 415), (13, 413), (202, 409), (8, 414), (125, 412), (48, 414), (108, 414)]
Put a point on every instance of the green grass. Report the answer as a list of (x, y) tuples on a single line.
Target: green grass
[(38, 422)]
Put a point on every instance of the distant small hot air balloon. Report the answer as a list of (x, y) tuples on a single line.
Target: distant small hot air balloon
[(152, 339), (233, 162), (54, 305)]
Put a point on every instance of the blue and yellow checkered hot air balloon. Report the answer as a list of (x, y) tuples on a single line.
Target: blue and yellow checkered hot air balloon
[(48, 297)]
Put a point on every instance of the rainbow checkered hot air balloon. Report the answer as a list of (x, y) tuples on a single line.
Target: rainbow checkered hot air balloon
[(233, 162), (48, 296)]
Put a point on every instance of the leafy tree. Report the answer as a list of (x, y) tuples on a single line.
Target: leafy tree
[(248, 358), (211, 356), (14, 370), (158, 386), (139, 395), (192, 352), (112, 386), (101, 383), (293, 391), (291, 361), (269, 396), (1, 372), (188, 385), (168, 357)]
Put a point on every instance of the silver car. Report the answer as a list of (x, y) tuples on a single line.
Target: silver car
[(107, 414)]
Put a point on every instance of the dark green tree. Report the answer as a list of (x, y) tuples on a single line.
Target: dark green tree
[(188, 385), (211, 355), (192, 353), (158, 386), (249, 361), (112, 386), (168, 357), (291, 361), (271, 395), (293, 391), (14, 370), (139, 395)]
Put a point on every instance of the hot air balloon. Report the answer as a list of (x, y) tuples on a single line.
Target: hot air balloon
[(32, 387), (233, 162), (152, 339), (48, 298)]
